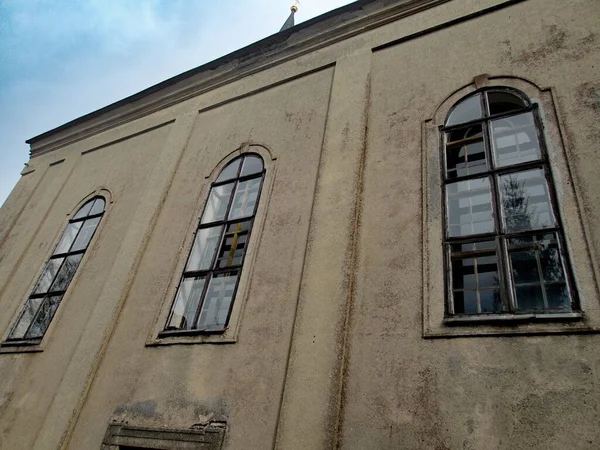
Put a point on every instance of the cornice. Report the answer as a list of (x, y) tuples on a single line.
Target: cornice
[(330, 28)]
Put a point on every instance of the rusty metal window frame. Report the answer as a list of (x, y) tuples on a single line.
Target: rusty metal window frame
[(44, 296), (501, 236), (214, 270)]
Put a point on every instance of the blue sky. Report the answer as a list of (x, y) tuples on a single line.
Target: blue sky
[(61, 59)]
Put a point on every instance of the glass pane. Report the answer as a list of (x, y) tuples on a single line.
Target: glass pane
[(67, 238), (470, 207), (31, 308), (252, 164), (48, 275), (245, 199), (463, 274), (68, 269), (186, 303), (491, 301), (44, 316), (487, 272), (515, 140), (466, 110), (473, 246), (465, 302), (558, 297), (98, 207), (503, 102), (217, 302), (85, 235), (218, 200), (205, 245), (525, 201), (233, 247), (465, 152), (524, 267), (529, 297), (230, 171), (84, 210)]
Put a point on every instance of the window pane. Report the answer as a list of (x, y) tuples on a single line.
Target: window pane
[(473, 246), (216, 207), (504, 102), (515, 140), (465, 302), (68, 237), (31, 308), (85, 235), (84, 210), (245, 199), (186, 303), (463, 274), (468, 109), (525, 201), (558, 297), (230, 171), (98, 207), (470, 207), (252, 164), (490, 300), (465, 152), (234, 244), (61, 283), (217, 302), (48, 275), (529, 297), (205, 245), (44, 316)]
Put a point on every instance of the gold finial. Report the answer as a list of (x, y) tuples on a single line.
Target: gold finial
[(294, 7)]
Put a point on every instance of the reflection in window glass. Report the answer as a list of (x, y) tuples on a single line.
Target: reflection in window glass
[(218, 301), (48, 275), (525, 201), (84, 211), (205, 245), (44, 316), (515, 140), (476, 284), (98, 208), (66, 272), (68, 237), (186, 303), (469, 109), (85, 234), (245, 199), (252, 165), (230, 171), (216, 207), (470, 207), (465, 152), (31, 307)]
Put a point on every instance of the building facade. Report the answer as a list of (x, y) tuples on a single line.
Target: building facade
[(374, 230)]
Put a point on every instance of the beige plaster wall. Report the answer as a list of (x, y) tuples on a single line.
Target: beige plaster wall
[(330, 351)]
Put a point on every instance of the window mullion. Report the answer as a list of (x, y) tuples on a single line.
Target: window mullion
[(194, 324)]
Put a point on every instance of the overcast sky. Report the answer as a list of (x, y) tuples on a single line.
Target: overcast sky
[(61, 59)]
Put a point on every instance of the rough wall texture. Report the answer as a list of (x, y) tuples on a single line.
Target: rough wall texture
[(329, 350)]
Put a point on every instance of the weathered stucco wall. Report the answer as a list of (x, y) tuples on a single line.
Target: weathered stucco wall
[(329, 350)]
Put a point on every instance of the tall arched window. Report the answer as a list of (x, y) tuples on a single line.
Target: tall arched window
[(503, 237), (208, 286), (57, 275)]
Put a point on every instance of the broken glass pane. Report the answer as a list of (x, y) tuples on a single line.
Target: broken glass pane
[(186, 303), (504, 102), (217, 302), (31, 307), (470, 207), (244, 201), (467, 110), (515, 140), (525, 201), (67, 238), (216, 207)]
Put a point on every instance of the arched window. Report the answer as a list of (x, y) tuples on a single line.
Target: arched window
[(208, 286), (503, 238), (59, 271)]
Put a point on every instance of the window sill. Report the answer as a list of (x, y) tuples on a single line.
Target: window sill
[(10, 347), (512, 318), (191, 338)]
